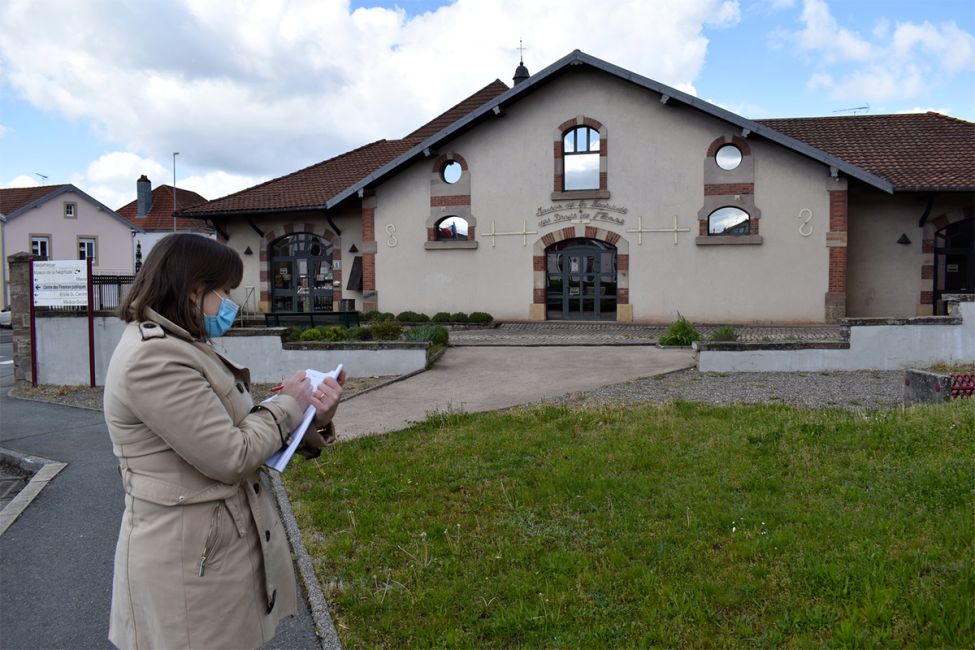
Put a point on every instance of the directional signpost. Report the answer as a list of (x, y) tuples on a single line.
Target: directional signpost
[(62, 283)]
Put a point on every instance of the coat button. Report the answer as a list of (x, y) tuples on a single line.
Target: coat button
[(274, 597), (149, 326), (257, 488), (267, 536)]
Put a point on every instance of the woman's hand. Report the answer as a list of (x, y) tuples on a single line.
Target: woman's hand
[(326, 399), (299, 388)]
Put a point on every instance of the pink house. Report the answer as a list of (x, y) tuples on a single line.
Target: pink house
[(60, 222)]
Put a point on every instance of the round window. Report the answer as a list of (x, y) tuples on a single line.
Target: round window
[(728, 157), (451, 172)]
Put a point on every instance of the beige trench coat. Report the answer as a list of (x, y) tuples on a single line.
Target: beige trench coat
[(202, 559)]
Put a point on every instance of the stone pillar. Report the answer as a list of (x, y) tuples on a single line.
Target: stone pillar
[(20, 297), (836, 243)]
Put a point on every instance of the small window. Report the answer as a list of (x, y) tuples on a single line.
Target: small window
[(70, 210), (86, 248), (40, 246), (451, 172), (729, 221), (581, 159), (452, 228), (728, 157)]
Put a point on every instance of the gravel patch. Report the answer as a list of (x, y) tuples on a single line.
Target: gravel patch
[(856, 390)]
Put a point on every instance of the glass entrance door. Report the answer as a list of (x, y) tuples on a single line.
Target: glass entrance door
[(301, 274), (954, 261), (581, 280)]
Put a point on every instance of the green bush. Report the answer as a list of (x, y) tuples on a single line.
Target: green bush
[(411, 317), (434, 333), (314, 334), (441, 317), (372, 315), (359, 334), (480, 317), (681, 332), (387, 330), (724, 333), (458, 317), (294, 334), (332, 333)]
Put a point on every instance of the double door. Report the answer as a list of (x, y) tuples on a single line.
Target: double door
[(581, 281)]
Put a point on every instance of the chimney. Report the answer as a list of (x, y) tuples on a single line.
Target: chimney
[(143, 193)]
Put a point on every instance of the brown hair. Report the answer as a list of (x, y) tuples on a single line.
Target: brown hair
[(176, 267)]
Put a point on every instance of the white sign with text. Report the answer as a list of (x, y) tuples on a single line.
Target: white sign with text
[(62, 283)]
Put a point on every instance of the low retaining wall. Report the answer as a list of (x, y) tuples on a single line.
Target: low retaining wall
[(873, 344), (62, 352)]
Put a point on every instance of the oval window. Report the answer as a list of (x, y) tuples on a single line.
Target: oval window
[(728, 157), (452, 228), (451, 172), (729, 221)]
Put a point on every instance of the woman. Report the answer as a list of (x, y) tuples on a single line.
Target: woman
[(202, 559)]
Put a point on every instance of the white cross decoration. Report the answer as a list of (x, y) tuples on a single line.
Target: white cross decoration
[(524, 233), (640, 230)]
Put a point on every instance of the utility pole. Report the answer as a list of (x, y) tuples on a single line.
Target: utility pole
[(175, 153)]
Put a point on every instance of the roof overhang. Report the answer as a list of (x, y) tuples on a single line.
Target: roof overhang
[(71, 188)]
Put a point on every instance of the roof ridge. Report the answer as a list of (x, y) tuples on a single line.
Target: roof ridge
[(443, 114)]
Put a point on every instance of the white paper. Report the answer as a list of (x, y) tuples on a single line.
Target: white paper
[(281, 458)]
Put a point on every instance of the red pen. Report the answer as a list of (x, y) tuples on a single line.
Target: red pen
[(276, 389)]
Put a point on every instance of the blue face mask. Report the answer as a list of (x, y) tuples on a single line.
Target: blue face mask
[(218, 325)]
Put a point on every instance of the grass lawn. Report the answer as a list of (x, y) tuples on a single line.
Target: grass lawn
[(659, 525)]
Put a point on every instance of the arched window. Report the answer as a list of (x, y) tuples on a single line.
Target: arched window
[(452, 228), (301, 273), (580, 159), (729, 220)]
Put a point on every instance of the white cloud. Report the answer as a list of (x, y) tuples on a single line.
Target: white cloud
[(260, 88), (22, 181), (215, 184), (3, 130), (919, 109), (900, 63)]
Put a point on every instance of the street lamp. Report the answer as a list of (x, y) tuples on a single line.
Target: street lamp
[(175, 153)]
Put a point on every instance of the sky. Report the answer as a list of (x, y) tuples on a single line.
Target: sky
[(98, 92)]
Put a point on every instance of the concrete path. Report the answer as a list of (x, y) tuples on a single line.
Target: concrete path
[(475, 379)]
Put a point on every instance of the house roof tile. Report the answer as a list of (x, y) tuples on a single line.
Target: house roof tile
[(14, 198), (313, 186), (160, 217), (914, 151)]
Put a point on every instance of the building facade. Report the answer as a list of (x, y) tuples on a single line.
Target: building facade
[(587, 192)]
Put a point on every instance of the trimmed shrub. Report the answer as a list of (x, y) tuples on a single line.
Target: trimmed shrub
[(314, 334), (387, 330), (724, 333), (441, 317), (387, 315), (372, 316), (294, 334), (480, 317), (332, 333), (359, 334), (434, 333), (681, 332), (459, 317), (411, 317)]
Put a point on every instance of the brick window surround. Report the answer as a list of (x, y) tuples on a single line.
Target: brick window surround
[(559, 193), (281, 230), (450, 200), (729, 188)]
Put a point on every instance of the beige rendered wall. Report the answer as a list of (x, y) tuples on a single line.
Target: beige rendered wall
[(114, 249), (884, 277), (655, 169)]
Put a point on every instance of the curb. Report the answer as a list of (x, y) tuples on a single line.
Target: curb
[(314, 596), (44, 471)]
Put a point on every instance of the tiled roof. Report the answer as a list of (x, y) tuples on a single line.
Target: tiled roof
[(313, 186), (160, 216), (309, 187), (915, 151), (14, 198)]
